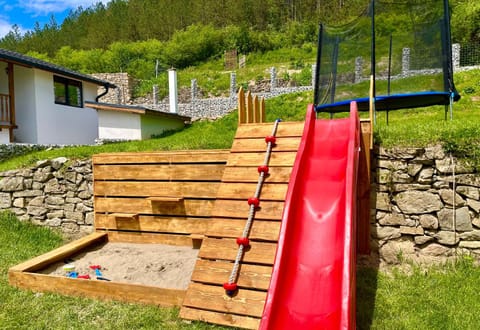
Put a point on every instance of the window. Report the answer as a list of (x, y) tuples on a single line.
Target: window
[(67, 91)]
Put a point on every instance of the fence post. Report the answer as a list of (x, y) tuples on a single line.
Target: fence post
[(314, 72), (273, 78), (456, 56), (233, 84), (358, 69), (193, 90), (405, 61), (155, 94)]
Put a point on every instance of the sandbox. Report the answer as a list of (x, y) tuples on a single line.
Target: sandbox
[(159, 265)]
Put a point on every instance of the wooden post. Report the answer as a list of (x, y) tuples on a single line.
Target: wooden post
[(250, 118), (256, 110), (242, 112), (11, 93), (363, 189), (263, 116)]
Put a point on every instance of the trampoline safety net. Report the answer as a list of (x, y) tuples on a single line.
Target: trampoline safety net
[(403, 44)]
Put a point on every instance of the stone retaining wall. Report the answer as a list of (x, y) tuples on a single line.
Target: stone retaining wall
[(427, 206), (54, 193)]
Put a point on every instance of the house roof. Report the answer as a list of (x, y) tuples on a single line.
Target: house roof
[(135, 109), (21, 59)]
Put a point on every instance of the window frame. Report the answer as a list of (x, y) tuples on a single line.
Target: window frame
[(67, 86)]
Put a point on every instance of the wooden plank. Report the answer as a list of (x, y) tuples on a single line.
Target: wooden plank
[(270, 191), (156, 224), (257, 158), (217, 272), (98, 289), (261, 230), (250, 174), (268, 210), (59, 253), (246, 302), (148, 188), (205, 172), (261, 130), (189, 207), (226, 249), (127, 216), (167, 157), (150, 238), (259, 145), (256, 109), (227, 319), (164, 199)]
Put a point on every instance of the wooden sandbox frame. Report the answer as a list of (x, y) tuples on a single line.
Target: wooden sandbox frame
[(152, 198)]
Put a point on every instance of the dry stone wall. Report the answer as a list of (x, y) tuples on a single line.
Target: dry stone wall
[(55, 193), (427, 206)]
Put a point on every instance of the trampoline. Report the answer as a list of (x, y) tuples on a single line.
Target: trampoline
[(402, 47)]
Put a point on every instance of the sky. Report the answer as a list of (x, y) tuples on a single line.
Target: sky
[(26, 13)]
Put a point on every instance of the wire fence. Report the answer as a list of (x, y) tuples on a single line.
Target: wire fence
[(466, 55), (470, 54)]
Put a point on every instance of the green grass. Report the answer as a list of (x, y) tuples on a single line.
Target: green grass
[(425, 298), (23, 309)]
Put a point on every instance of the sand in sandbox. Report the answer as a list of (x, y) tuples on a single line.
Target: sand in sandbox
[(164, 266)]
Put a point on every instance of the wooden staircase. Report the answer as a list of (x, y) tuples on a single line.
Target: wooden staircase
[(205, 299)]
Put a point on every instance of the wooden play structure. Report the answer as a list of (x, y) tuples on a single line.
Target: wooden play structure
[(191, 198)]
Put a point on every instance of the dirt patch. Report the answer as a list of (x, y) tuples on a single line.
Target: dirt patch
[(164, 266)]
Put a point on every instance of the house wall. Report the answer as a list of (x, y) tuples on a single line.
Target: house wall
[(115, 125), (155, 125), (59, 124), (25, 115), (4, 136)]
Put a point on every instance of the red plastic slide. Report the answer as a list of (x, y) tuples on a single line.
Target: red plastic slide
[(313, 279)]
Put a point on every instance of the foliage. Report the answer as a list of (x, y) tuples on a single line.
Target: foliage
[(466, 21), (101, 24), (194, 44)]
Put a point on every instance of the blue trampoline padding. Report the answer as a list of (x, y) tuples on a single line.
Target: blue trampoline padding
[(391, 102)]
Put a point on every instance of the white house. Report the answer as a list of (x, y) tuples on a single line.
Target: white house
[(126, 122), (43, 103)]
